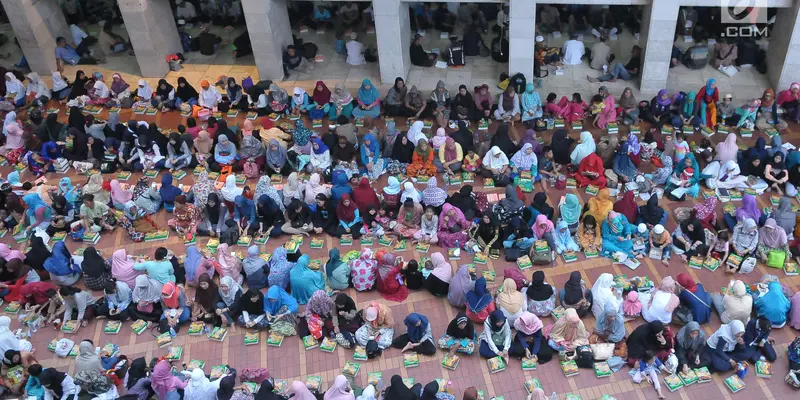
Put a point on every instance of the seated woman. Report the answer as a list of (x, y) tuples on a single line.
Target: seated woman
[(725, 176), (563, 239), (337, 273), (722, 345), (459, 336), (575, 295), (118, 297), (303, 281), (688, 172), (176, 309), (603, 292), (772, 241), (745, 240), (205, 301), (422, 161), (254, 268), (61, 267), (408, 219), (496, 336), (695, 297), (281, 310), (518, 234), (79, 305), (253, 315), (543, 229), (418, 337), (525, 160), (617, 235), (147, 298), (508, 106), (510, 301), (349, 217), (588, 236), (369, 102), (690, 347), (452, 227), (319, 104), (651, 214), (389, 281), (496, 166), (438, 282), (662, 303), (568, 332), (757, 342), (371, 157), (378, 329), (773, 305), (653, 337), (541, 295), (224, 155), (591, 172), (228, 265), (610, 325), (768, 113), (479, 302), (230, 299), (599, 206), (689, 239), (736, 303), (529, 341)]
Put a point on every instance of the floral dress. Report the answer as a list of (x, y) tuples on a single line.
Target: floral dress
[(542, 308), (364, 271)]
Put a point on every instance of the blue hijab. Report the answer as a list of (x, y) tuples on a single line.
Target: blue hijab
[(478, 298), (368, 96), (305, 282), (773, 305), (374, 147), (34, 203), (279, 268), (60, 262), (66, 189), (340, 187), (245, 208), (281, 299), (301, 134), (168, 191), (416, 332), (616, 328), (709, 90), (13, 179), (192, 261), (623, 164), (322, 147)]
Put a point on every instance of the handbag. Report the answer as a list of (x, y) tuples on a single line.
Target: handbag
[(513, 253), (602, 351), (456, 228), (584, 357), (793, 379), (776, 259)]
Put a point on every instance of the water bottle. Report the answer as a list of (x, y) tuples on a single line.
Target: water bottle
[(554, 396), (172, 332), (457, 246)]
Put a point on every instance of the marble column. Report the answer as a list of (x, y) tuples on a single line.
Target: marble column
[(783, 56), (656, 38), (393, 31), (36, 25), (270, 33), (153, 34), (521, 37)]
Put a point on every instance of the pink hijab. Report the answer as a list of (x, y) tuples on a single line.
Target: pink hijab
[(229, 265), (120, 195), (538, 229), (668, 286), (122, 268), (438, 140), (9, 254), (162, 381), (441, 268), (300, 391), (337, 390), (631, 306), (528, 323), (726, 151), (794, 318)]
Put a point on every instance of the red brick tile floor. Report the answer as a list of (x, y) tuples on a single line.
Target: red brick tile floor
[(290, 361)]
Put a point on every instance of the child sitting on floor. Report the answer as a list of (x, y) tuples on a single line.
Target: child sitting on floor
[(649, 367), (471, 161)]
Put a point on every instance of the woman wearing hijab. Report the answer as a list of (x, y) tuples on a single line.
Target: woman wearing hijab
[(690, 347), (58, 385), (496, 336), (525, 160), (460, 285), (61, 267), (768, 113), (652, 337), (196, 265), (757, 342), (371, 159), (320, 157), (541, 296), (575, 295), (422, 160), (662, 303), (627, 207), (776, 174), (585, 147), (479, 301), (530, 104), (706, 213), (378, 327), (279, 268), (224, 154), (568, 332), (438, 282), (341, 103), (418, 336), (508, 106), (185, 93), (773, 305), (337, 273), (304, 282), (164, 383), (203, 146), (397, 390), (87, 360), (707, 99), (452, 227), (560, 145), (402, 155), (252, 312), (603, 293), (695, 297), (735, 304), (349, 217), (389, 279), (408, 218), (497, 166), (591, 171), (617, 235), (230, 299), (95, 270), (395, 101), (570, 211), (610, 325), (722, 344), (651, 214), (281, 309), (463, 105), (340, 390), (459, 335), (510, 301), (364, 196), (369, 102), (175, 306), (772, 240), (254, 268)]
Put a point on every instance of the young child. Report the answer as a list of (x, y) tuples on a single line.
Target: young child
[(681, 147), (687, 174), (552, 108), (413, 276), (649, 367), (721, 248), (429, 225), (372, 226), (631, 307), (588, 235), (597, 108), (34, 388), (640, 241), (471, 162), (576, 110), (386, 215), (428, 268), (660, 238)]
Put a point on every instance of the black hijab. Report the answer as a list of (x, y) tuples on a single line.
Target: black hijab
[(496, 317), (98, 148), (267, 391), (463, 136), (538, 290), (644, 338), (80, 145), (163, 93), (398, 390), (226, 385), (213, 211), (651, 213), (137, 370), (50, 130), (463, 199), (560, 144), (346, 153), (697, 234), (464, 101), (454, 331), (254, 309), (76, 119), (487, 231), (186, 92), (540, 204), (573, 290), (93, 264), (402, 152), (430, 390), (158, 138), (51, 379), (38, 253), (78, 86), (344, 303), (176, 148), (503, 141)]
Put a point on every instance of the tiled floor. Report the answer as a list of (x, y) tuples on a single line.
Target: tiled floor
[(290, 361)]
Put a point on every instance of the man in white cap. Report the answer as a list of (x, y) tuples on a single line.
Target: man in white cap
[(726, 110), (546, 55)]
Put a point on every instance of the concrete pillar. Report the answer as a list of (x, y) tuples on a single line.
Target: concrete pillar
[(657, 35), (36, 25), (153, 34), (783, 56), (270, 33), (521, 37), (393, 31)]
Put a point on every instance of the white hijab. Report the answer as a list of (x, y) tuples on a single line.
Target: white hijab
[(584, 148), (299, 96), (39, 87), (101, 90), (491, 161), (602, 294), (14, 85), (7, 339), (11, 118), (143, 90), (58, 81), (415, 132), (200, 388), (410, 192), (728, 332), (729, 165), (368, 393), (230, 190), (233, 288)]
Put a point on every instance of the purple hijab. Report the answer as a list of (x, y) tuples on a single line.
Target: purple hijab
[(660, 100), (530, 137), (459, 286), (633, 144), (749, 209)]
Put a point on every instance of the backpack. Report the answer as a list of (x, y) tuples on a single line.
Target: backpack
[(584, 357), (518, 81), (456, 52), (309, 50)]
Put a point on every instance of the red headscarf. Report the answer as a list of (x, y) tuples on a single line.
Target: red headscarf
[(590, 163), (687, 282), (346, 213), (321, 97), (627, 207), (364, 196), (170, 294)]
